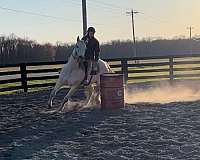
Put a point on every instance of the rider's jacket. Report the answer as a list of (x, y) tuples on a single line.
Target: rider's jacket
[(92, 51)]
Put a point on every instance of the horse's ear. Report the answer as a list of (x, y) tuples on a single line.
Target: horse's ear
[(78, 39)]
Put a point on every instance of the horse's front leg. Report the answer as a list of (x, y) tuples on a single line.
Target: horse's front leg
[(68, 96), (53, 93)]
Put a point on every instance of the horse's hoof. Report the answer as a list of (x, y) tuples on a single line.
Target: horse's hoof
[(59, 111), (98, 102), (61, 108), (49, 106)]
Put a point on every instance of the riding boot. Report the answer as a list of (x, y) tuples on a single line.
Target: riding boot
[(94, 68)]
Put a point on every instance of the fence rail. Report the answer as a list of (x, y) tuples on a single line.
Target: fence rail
[(43, 74)]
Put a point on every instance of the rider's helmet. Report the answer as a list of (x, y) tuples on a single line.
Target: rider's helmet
[(91, 29)]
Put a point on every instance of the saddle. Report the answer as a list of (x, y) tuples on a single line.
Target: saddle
[(94, 71)]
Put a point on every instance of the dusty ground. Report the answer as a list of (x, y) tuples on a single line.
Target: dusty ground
[(138, 131)]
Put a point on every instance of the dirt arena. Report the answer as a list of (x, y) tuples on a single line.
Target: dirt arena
[(146, 131)]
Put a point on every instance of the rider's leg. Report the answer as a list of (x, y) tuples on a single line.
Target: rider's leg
[(94, 68), (86, 69)]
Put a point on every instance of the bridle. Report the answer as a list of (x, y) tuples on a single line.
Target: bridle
[(77, 58), (74, 55)]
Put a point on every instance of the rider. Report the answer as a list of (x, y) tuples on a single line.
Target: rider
[(92, 51)]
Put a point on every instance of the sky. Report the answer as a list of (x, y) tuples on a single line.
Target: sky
[(61, 20)]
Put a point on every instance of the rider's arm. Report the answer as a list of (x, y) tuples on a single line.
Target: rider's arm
[(97, 50)]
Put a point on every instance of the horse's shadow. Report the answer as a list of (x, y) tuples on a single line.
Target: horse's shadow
[(34, 129), (48, 130)]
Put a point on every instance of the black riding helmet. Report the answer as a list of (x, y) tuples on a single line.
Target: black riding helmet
[(91, 29)]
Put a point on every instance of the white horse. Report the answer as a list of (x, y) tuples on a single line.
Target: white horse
[(72, 74)]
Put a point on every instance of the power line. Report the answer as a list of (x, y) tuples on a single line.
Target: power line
[(94, 5), (99, 3), (108, 4), (153, 19), (106, 10), (102, 7), (37, 14), (113, 8), (74, 2), (42, 15)]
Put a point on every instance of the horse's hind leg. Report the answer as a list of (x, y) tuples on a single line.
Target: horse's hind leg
[(90, 99), (88, 93), (97, 97)]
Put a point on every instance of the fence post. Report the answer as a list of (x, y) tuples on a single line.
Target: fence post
[(125, 70), (24, 77), (171, 69)]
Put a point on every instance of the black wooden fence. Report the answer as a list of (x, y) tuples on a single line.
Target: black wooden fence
[(135, 70)]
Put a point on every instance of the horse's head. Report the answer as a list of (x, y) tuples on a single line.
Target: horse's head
[(80, 48)]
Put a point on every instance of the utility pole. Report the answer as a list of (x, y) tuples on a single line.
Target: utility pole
[(190, 35), (190, 28), (84, 13), (133, 28)]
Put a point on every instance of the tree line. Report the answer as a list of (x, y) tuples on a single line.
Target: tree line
[(17, 50)]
